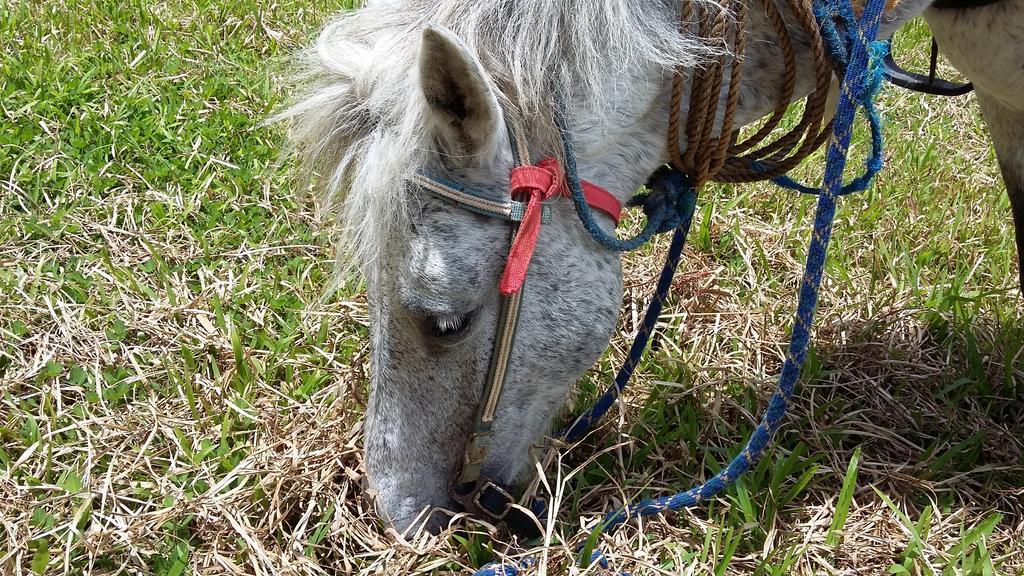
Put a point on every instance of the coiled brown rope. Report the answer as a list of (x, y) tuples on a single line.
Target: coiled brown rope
[(717, 156)]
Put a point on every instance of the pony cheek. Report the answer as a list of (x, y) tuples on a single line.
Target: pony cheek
[(418, 415), (569, 313)]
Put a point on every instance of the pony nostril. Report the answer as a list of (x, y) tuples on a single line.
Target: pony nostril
[(449, 325)]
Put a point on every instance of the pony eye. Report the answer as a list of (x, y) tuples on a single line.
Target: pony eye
[(449, 325)]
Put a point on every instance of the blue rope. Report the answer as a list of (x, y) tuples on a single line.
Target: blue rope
[(669, 182), (860, 82), (860, 78), (666, 208), (837, 43), (866, 100)]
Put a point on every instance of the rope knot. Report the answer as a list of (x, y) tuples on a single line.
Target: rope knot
[(670, 201)]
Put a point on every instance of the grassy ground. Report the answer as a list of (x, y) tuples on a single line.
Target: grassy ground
[(176, 397)]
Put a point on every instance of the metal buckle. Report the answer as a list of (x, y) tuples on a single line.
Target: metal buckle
[(517, 210), (479, 490)]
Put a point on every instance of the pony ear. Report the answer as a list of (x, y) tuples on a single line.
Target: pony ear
[(458, 93)]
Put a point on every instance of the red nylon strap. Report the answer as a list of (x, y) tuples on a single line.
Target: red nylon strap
[(539, 183), (596, 197), (600, 199)]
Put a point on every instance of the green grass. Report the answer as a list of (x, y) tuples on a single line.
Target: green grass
[(177, 397)]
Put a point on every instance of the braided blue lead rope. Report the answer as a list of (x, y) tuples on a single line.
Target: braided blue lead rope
[(669, 180), (858, 87), (857, 80)]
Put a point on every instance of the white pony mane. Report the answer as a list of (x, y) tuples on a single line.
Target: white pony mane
[(358, 119)]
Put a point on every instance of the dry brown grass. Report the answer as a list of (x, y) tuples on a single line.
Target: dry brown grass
[(175, 395)]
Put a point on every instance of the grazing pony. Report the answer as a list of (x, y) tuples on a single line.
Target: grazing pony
[(402, 88)]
